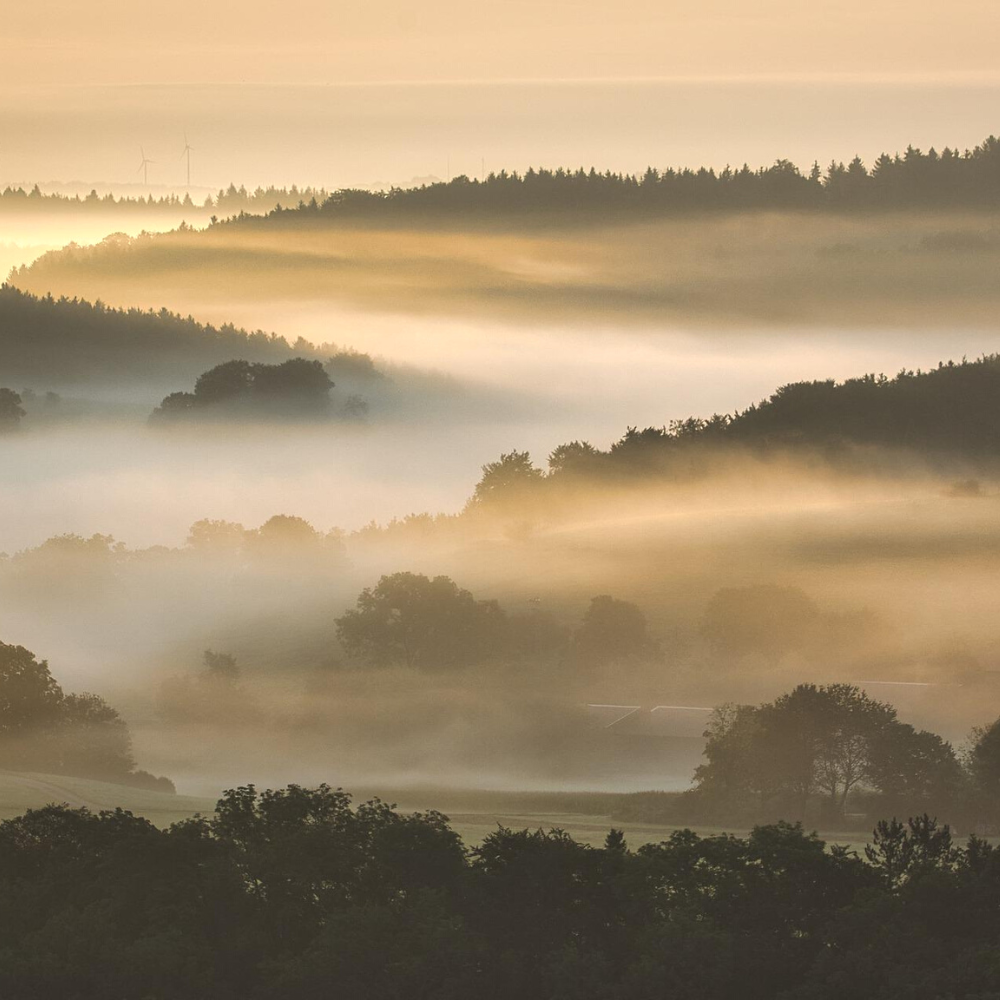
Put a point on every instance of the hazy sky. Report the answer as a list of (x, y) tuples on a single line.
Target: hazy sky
[(358, 135), (343, 92), (53, 42)]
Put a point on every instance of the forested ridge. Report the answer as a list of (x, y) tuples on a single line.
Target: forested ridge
[(949, 413), (45, 341), (912, 180)]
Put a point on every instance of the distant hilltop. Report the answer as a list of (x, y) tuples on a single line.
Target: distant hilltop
[(198, 201), (912, 179)]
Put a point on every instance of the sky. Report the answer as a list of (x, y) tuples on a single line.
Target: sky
[(350, 93), (74, 42)]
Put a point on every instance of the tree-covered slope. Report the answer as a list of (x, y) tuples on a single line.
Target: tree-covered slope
[(954, 408), (57, 343), (911, 180), (949, 415)]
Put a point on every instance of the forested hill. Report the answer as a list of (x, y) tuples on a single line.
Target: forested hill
[(911, 180), (950, 412), (953, 409), (60, 343)]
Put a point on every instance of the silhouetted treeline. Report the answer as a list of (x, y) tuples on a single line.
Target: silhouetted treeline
[(296, 894), (48, 342), (951, 408), (950, 411), (44, 729), (294, 385), (241, 390), (228, 201), (914, 179), (911, 180), (433, 625)]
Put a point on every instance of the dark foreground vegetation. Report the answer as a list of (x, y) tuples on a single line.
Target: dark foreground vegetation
[(295, 894)]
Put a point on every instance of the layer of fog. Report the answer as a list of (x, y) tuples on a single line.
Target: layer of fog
[(508, 388), (25, 236), (915, 563), (758, 270), (920, 562)]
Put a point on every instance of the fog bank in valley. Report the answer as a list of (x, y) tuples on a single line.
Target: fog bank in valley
[(877, 578)]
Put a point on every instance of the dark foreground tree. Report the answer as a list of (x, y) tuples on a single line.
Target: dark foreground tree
[(299, 895)]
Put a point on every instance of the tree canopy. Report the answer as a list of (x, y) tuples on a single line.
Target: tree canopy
[(949, 412), (44, 729), (913, 179), (294, 388), (429, 624), (49, 342), (807, 752), (294, 892)]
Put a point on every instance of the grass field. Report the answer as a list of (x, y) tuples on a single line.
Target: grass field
[(23, 790), (586, 816)]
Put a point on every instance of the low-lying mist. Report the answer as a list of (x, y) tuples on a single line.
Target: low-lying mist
[(27, 235), (917, 268), (755, 577), (762, 571), (91, 463)]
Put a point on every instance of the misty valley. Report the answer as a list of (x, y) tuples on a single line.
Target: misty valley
[(553, 584)]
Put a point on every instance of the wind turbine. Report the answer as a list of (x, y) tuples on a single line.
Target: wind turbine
[(188, 150), (144, 167)]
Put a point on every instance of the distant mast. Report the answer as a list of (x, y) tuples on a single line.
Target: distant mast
[(188, 150), (144, 167)]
